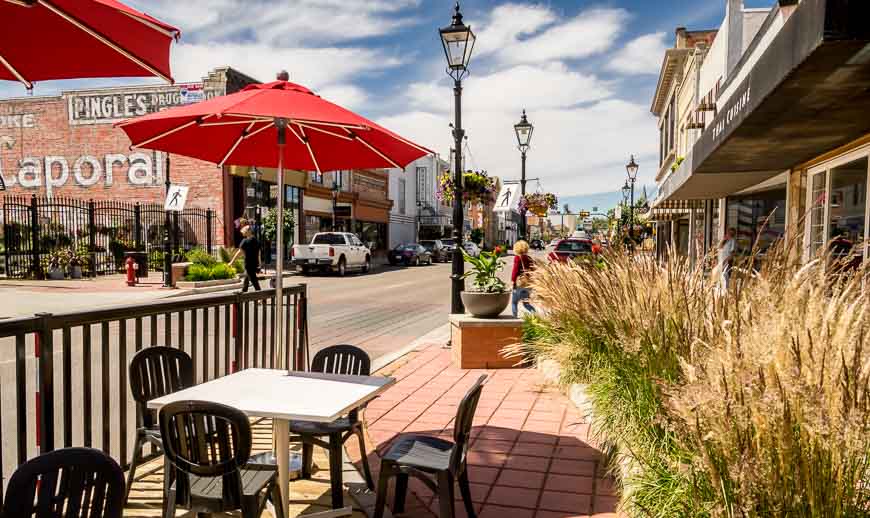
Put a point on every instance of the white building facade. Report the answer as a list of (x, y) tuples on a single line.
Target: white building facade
[(417, 212)]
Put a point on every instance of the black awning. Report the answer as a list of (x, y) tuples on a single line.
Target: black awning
[(808, 93)]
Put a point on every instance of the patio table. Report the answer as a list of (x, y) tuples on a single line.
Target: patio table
[(284, 396)]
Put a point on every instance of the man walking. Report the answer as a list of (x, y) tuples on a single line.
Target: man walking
[(251, 248)]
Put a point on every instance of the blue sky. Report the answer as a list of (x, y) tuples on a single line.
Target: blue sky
[(584, 70)]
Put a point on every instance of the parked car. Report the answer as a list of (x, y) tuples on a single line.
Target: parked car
[(412, 254), (554, 242), (440, 253), (332, 251), (568, 249), (471, 248), (450, 244), (537, 244)]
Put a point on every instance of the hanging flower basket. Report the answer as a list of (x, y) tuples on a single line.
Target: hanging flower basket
[(478, 187), (539, 203)]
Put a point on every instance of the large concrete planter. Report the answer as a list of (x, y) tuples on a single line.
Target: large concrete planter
[(485, 305)]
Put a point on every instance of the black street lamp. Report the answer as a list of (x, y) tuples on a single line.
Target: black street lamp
[(631, 169), (336, 188), (524, 130), (458, 42)]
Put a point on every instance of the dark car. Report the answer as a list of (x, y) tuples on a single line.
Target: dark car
[(450, 244), (537, 244), (410, 254), (568, 249), (440, 253)]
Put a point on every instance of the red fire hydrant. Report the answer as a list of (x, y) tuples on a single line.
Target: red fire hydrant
[(132, 267)]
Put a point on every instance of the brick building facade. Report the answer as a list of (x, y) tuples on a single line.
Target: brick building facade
[(67, 146)]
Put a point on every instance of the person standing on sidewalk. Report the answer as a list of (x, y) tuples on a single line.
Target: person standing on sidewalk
[(523, 266), (251, 248), (726, 255)]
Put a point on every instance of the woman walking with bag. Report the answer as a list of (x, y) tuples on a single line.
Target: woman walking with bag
[(523, 266)]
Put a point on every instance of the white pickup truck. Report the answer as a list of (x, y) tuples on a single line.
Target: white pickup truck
[(332, 251)]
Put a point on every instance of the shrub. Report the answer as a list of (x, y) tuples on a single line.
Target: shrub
[(227, 253), (198, 272), (222, 271), (200, 256), (750, 401)]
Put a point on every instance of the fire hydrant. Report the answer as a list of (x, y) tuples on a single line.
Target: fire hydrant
[(132, 267)]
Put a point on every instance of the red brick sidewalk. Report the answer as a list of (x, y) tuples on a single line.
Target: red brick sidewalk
[(531, 454)]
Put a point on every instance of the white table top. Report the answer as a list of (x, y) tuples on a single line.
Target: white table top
[(303, 396)]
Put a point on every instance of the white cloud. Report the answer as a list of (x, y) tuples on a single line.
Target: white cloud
[(574, 151), (544, 86), (642, 55), (533, 34), (346, 95), (282, 23), (312, 67)]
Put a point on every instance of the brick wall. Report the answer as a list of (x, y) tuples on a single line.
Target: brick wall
[(45, 151)]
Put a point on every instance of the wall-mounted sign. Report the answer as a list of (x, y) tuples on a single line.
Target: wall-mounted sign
[(176, 197), (115, 105), (54, 171)]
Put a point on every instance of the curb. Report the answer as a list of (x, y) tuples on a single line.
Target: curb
[(439, 334)]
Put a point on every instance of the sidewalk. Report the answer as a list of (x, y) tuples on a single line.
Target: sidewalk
[(531, 455)]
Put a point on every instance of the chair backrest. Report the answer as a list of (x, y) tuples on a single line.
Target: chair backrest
[(67, 483), (342, 359), (207, 440), (462, 423), (155, 372)]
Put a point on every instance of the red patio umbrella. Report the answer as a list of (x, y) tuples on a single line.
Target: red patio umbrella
[(251, 127), (42, 40)]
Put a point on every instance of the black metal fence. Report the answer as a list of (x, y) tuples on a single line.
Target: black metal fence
[(100, 231), (63, 377)]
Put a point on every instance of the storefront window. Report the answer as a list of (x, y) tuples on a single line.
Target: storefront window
[(817, 211), (759, 219), (374, 235), (847, 204)]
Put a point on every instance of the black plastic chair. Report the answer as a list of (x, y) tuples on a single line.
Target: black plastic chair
[(438, 463), (154, 372), (71, 482), (208, 445), (337, 359)]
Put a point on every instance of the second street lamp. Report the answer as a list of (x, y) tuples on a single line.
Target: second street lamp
[(524, 130), (631, 169), (458, 42)]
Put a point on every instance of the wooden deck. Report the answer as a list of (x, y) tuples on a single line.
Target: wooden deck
[(307, 496)]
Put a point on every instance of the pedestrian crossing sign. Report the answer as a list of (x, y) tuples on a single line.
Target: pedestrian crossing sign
[(176, 197), (508, 198)]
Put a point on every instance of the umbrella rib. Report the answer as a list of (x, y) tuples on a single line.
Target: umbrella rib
[(339, 135), (230, 123), (15, 72), (48, 5), (376, 151), (304, 139), (258, 130), (22, 3), (238, 141), (168, 132)]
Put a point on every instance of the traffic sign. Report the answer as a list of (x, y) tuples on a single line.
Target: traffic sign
[(508, 198), (176, 197)]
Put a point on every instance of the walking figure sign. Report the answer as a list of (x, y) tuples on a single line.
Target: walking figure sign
[(508, 198), (176, 197)]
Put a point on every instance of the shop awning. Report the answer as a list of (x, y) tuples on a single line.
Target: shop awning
[(807, 93)]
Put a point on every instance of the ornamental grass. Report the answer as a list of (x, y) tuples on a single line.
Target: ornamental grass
[(750, 401)]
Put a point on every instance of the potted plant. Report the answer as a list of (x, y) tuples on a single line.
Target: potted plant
[(77, 260), (55, 263), (489, 294)]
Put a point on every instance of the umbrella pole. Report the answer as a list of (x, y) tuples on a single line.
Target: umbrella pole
[(281, 126)]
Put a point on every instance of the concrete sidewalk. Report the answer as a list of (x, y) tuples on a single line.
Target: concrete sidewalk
[(531, 455)]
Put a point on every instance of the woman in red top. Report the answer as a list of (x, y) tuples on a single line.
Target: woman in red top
[(523, 266)]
